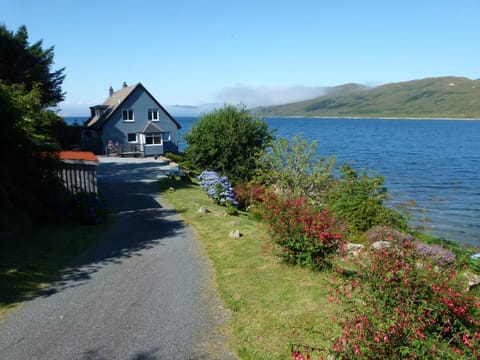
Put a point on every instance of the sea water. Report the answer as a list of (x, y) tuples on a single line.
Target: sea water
[(430, 166)]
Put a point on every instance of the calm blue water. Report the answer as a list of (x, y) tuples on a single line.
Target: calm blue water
[(434, 165)]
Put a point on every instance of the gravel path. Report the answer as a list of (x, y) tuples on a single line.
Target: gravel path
[(145, 293)]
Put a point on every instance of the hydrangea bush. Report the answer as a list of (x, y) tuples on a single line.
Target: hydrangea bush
[(218, 188)]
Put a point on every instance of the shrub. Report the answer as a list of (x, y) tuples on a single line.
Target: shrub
[(218, 188), (304, 236), (86, 208), (295, 169), (380, 233), (401, 308), (248, 194), (359, 199), (229, 141), (435, 252), (431, 252)]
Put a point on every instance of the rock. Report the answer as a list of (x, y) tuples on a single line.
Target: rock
[(475, 256), (171, 189), (203, 210), (354, 249), (235, 234), (473, 279), (378, 245)]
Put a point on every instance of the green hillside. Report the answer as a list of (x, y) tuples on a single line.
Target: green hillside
[(444, 97)]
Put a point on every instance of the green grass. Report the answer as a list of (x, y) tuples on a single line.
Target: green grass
[(269, 301), (31, 258)]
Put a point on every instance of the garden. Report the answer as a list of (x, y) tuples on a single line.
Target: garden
[(323, 267)]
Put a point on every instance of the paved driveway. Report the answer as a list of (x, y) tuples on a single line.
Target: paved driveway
[(145, 293)]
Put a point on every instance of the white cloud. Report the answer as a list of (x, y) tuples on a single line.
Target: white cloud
[(71, 108), (266, 96)]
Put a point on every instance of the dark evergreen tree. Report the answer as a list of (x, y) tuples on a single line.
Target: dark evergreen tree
[(30, 66), (28, 163)]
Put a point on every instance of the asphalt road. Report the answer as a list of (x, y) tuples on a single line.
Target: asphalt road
[(145, 293)]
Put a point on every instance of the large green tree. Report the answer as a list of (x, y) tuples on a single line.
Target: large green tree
[(30, 66), (28, 89), (228, 141)]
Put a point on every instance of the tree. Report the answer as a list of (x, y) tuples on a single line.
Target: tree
[(30, 66), (228, 141), (28, 165), (295, 169)]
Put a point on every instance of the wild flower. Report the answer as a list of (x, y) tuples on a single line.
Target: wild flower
[(419, 312), (304, 235), (218, 188), (434, 252), (441, 255)]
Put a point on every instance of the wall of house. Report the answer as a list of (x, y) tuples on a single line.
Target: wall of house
[(92, 141), (116, 129), (152, 150)]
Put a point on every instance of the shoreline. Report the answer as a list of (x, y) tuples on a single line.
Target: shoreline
[(370, 118)]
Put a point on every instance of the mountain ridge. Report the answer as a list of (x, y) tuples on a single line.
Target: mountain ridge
[(438, 97)]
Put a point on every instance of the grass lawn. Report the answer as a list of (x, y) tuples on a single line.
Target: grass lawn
[(272, 304), (30, 258)]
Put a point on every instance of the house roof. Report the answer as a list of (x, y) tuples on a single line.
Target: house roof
[(77, 155), (151, 128), (115, 101)]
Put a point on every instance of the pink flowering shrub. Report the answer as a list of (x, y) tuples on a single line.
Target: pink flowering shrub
[(432, 252), (403, 307), (305, 236)]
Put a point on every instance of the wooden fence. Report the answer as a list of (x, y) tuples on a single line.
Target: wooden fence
[(79, 177)]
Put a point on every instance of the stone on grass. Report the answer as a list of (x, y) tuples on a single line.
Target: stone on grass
[(235, 234), (354, 249), (203, 210), (378, 245), (473, 279)]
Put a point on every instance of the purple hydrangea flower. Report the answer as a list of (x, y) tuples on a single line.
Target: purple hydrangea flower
[(218, 188)]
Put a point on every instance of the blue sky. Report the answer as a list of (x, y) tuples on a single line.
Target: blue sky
[(253, 52)]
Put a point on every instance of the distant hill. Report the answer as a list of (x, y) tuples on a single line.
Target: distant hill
[(443, 97)]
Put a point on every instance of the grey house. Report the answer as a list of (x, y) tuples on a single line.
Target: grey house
[(130, 121)]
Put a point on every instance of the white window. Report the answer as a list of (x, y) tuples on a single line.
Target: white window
[(127, 114), (132, 137), (153, 139), (153, 114), (166, 136)]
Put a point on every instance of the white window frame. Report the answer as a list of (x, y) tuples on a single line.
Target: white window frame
[(153, 114), (132, 141), (128, 112), (154, 136)]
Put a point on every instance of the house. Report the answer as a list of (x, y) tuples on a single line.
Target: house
[(130, 122)]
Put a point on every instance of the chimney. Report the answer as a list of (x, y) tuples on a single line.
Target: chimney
[(124, 84), (110, 91)]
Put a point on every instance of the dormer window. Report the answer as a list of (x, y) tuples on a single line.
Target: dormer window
[(153, 114), (127, 115)]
